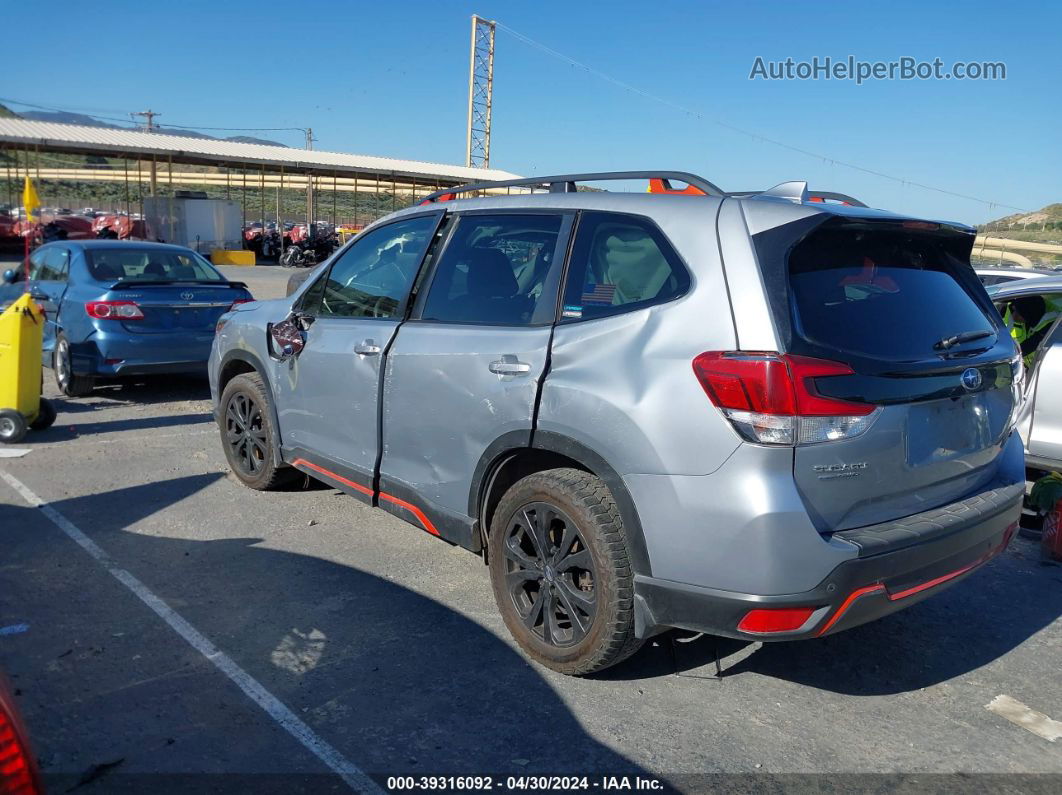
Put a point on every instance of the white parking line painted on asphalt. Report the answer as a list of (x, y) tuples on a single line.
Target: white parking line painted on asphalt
[(1029, 719), (344, 768)]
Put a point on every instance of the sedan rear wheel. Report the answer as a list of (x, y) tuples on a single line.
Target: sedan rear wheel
[(69, 384)]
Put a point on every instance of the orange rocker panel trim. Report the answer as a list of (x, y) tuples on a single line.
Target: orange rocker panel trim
[(413, 509)]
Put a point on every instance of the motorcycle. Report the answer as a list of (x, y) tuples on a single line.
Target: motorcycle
[(270, 244), (299, 255)]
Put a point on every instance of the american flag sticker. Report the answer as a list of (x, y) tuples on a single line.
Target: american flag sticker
[(598, 293)]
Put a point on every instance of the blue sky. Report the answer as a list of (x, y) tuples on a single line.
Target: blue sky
[(391, 79)]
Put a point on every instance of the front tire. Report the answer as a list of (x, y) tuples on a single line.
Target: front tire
[(561, 573), (247, 434), (69, 384)]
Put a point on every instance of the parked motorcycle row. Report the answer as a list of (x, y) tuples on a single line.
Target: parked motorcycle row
[(297, 247)]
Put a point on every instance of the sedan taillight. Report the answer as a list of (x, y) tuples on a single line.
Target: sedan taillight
[(114, 310), (18, 771), (770, 398)]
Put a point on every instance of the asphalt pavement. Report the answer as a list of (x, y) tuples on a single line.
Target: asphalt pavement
[(156, 617)]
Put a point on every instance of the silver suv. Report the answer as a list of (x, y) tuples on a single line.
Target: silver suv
[(767, 415)]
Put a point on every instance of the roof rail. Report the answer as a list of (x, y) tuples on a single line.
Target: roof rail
[(566, 183)]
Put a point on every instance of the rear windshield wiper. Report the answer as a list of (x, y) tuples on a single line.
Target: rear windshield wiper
[(958, 339)]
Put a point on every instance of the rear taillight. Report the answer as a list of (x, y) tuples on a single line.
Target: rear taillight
[(238, 301), (771, 398), (18, 774), (114, 310)]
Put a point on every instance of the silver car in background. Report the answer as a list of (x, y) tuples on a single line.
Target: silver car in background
[(766, 415), (1040, 417)]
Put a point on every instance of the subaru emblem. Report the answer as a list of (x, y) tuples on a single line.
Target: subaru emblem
[(971, 379), (186, 296)]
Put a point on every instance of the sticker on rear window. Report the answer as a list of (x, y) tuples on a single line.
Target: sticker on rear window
[(571, 311)]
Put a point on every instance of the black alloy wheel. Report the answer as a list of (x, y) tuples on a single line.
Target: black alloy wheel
[(549, 574), (246, 435)]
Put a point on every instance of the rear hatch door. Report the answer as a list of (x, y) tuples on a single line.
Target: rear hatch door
[(899, 304)]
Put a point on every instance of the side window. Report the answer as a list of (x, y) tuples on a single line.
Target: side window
[(620, 263), (373, 277), (56, 265), (495, 270), (37, 266)]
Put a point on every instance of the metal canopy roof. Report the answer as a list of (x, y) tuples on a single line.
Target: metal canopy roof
[(78, 139)]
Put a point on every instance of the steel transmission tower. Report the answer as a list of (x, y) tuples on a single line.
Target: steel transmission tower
[(480, 92)]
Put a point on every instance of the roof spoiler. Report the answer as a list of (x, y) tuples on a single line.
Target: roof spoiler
[(798, 191)]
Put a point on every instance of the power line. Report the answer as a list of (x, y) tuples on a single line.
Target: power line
[(734, 128), (166, 126)]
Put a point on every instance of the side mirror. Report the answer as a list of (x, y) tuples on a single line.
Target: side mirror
[(10, 276), (286, 339)]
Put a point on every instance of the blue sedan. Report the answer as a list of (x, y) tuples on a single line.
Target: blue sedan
[(118, 308)]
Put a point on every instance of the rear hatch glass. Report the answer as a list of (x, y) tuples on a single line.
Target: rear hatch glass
[(899, 304)]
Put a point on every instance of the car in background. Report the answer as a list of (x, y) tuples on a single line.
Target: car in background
[(123, 308), (1039, 300), (992, 276)]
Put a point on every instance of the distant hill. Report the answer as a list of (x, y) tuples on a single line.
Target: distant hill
[(1049, 216), (63, 117), (5, 113)]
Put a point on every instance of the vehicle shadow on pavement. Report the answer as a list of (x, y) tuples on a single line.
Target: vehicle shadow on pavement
[(396, 681), (61, 431), (950, 634)]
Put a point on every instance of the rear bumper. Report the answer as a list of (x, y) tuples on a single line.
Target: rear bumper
[(899, 564), (113, 354)]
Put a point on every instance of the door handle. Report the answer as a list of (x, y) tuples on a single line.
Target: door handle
[(38, 295), (367, 348), (509, 366)]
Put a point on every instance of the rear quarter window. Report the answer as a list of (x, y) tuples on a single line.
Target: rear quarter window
[(620, 263)]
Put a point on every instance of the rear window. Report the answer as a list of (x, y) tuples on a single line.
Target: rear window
[(883, 293), (154, 265)]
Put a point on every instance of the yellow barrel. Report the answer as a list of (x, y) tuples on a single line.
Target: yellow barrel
[(21, 406)]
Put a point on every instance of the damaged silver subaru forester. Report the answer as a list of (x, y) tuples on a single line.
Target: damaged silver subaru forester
[(767, 415)]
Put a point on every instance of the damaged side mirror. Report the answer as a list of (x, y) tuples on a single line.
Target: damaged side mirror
[(288, 337)]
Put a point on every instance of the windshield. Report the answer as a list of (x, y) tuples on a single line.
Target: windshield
[(150, 265)]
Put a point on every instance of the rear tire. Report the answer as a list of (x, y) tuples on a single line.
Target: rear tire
[(45, 416), (561, 573), (69, 384), (246, 426), (12, 426)]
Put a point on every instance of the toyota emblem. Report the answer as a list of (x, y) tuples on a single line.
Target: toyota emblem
[(971, 379), (186, 296)]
